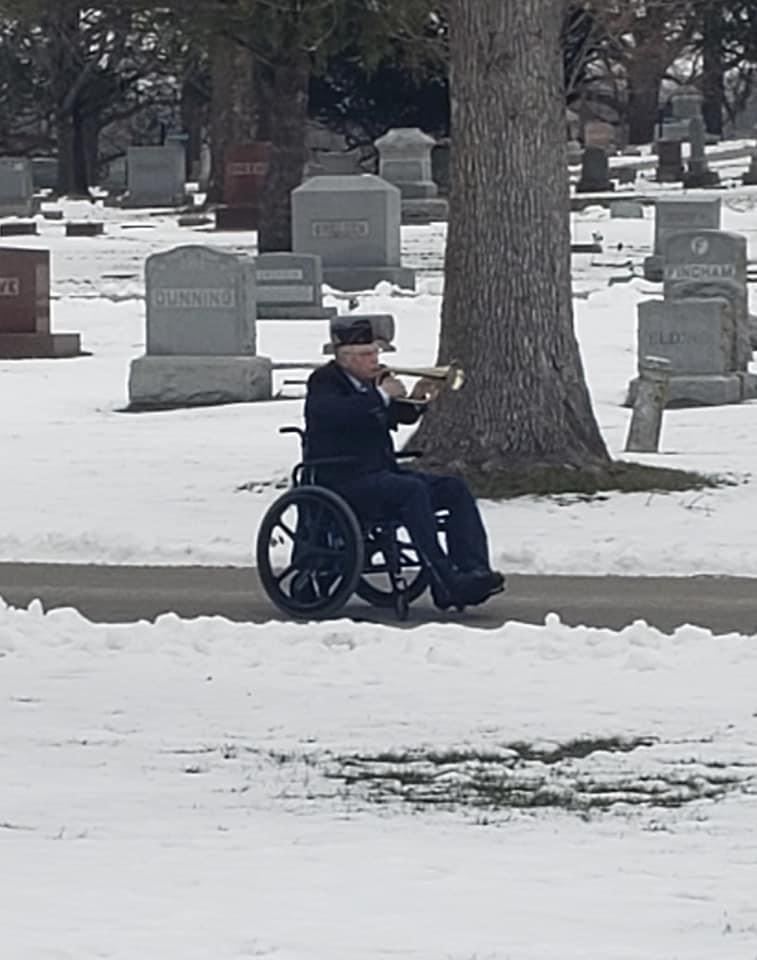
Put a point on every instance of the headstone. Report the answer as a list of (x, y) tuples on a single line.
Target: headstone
[(85, 228), (669, 161), (16, 187), (245, 170), (45, 173), (696, 336), (244, 175), (685, 104), (353, 224), (598, 133), (626, 210), (649, 403), (676, 130), (25, 308), (289, 287), (440, 160), (677, 215), (156, 176), (711, 263), (595, 172), (625, 175), (19, 228), (698, 173), (200, 344), (405, 161)]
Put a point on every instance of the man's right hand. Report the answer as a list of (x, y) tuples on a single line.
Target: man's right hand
[(391, 385)]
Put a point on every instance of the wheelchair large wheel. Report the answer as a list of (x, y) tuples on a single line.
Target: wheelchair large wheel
[(310, 552), (375, 586)]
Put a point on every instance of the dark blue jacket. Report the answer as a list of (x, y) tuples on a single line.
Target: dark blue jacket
[(340, 421)]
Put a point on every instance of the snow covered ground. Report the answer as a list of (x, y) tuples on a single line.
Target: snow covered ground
[(212, 791), (191, 791)]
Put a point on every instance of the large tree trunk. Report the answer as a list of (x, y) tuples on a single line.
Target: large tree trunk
[(507, 310), (233, 107), (286, 98)]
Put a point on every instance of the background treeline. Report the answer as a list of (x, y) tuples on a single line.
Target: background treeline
[(83, 82)]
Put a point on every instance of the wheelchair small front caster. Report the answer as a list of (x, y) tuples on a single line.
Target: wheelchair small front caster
[(401, 599)]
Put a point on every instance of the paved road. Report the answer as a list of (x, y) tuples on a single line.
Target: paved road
[(124, 594)]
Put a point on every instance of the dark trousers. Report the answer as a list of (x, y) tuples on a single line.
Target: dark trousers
[(414, 497)]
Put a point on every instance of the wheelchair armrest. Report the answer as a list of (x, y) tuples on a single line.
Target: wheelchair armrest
[(408, 454), (297, 430)]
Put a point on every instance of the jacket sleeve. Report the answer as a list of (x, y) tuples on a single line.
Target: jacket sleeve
[(407, 413), (326, 403)]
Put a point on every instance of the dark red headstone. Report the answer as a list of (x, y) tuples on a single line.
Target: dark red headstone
[(25, 307), (24, 291), (245, 170)]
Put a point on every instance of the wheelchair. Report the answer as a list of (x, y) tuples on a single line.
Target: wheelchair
[(314, 551)]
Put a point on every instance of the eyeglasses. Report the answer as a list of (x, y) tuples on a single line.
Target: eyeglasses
[(363, 351)]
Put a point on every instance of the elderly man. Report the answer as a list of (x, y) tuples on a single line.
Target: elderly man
[(352, 405)]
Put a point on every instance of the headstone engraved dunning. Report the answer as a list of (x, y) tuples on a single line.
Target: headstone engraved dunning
[(25, 308), (701, 326), (156, 176), (289, 287), (200, 343), (405, 161), (353, 224), (595, 172), (16, 187), (677, 215)]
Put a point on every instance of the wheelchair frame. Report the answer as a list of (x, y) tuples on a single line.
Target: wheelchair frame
[(333, 550)]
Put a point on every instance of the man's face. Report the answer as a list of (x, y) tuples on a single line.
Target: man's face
[(360, 359)]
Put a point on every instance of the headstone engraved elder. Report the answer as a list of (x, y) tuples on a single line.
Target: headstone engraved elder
[(677, 215), (245, 171), (25, 308), (289, 287), (405, 161), (16, 187), (698, 173), (353, 224), (156, 176), (701, 325), (595, 172), (200, 305)]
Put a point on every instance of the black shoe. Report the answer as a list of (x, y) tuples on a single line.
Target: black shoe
[(476, 587)]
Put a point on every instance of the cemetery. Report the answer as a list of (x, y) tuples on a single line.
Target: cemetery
[(188, 777)]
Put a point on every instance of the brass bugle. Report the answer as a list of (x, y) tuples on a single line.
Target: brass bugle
[(452, 374)]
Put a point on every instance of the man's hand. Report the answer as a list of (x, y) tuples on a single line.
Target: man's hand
[(426, 389), (391, 385)]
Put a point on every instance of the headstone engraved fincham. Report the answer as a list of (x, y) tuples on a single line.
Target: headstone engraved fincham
[(353, 224), (245, 170), (200, 338), (701, 326), (25, 308)]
